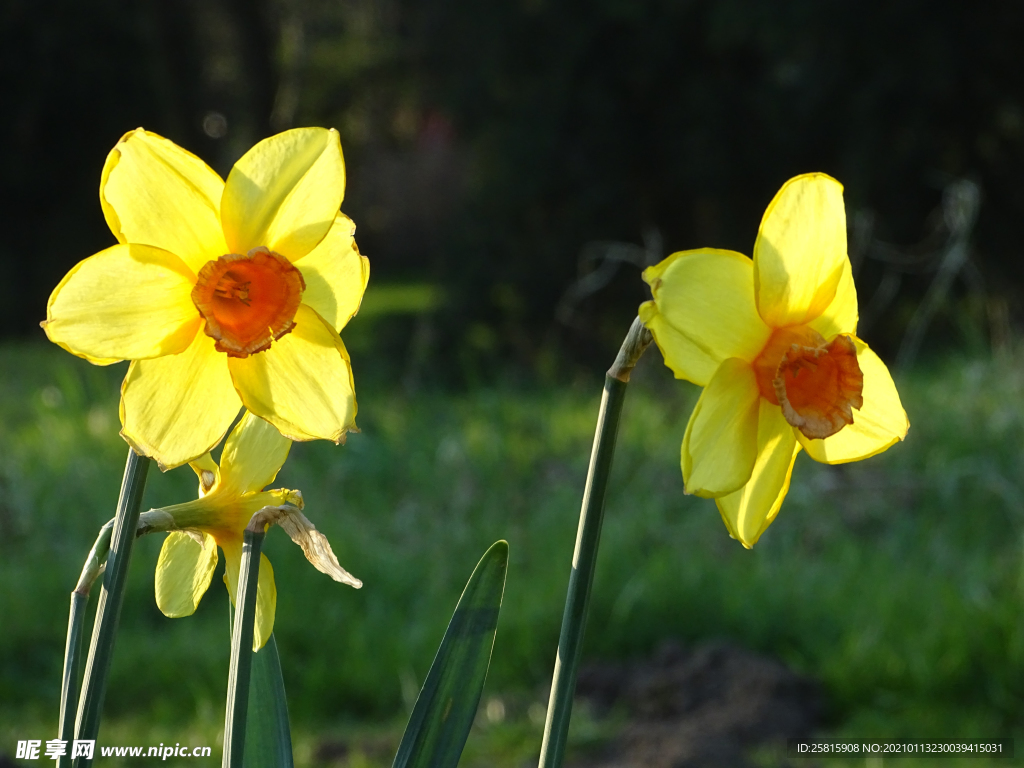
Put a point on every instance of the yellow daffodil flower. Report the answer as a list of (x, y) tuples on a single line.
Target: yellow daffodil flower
[(221, 294), (773, 342), (229, 495)]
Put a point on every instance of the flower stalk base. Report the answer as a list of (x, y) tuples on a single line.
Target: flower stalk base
[(108, 610), (588, 537), (69, 683)]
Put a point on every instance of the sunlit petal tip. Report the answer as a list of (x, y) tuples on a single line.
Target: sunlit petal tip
[(128, 302), (162, 461), (253, 454), (109, 214), (184, 571), (90, 358), (303, 384), (877, 426), (730, 529), (705, 494), (336, 275), (720, 446), (667, 338), (156, 393), (705, 311), (800, 250), (749, 511), (141, 450), (815, 177), (156, 193), (284, 193), (139, 446), (54, 335)]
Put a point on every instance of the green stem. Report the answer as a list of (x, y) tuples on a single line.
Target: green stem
[(241, 645), (72, 656), (73, 649), (108, 611), (588, 537)]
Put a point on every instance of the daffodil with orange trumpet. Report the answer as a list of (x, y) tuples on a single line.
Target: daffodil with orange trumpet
[(221, 294), (773, 342)]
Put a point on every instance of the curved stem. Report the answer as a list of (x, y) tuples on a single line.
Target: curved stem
[(68, 689), (73, 649), (588, 538)]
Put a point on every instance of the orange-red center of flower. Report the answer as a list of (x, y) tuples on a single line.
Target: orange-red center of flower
[(817, 384), (248, 301)]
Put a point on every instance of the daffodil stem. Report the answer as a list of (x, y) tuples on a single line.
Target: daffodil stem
[(69, 684), (108, 610), (73, 648), (241, 646), (588, 537)]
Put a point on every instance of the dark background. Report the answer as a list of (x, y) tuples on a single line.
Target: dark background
[(493, 147)]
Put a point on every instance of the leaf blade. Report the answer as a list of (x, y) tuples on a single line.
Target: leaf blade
[(268, 739), (440, 722)]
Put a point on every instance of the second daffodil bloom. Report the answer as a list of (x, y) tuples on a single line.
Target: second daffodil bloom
[(773, 342), (221, 294), (229, 495)]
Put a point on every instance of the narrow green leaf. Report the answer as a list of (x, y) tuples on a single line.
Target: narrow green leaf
[(268, 739), (444, 712)]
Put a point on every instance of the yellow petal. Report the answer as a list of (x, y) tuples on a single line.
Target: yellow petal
[(127, 302), (303, 383), (178, 407), (266, 592), (703, 311), (800, 250), (841, 315), (285, 192), (750, 510), (878, 425), (253, 454), (720, 445), (183, 572), (336, 274), (155, 193)]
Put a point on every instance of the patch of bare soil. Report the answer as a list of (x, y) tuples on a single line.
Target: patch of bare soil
[(708, 706)]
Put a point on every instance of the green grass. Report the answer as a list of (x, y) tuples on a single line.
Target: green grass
[(897, 582)]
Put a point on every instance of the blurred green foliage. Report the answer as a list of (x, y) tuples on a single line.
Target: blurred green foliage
[(488, 143), (896, 582)]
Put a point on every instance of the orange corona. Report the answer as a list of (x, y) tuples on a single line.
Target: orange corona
[(817, 383), (248, 301)]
